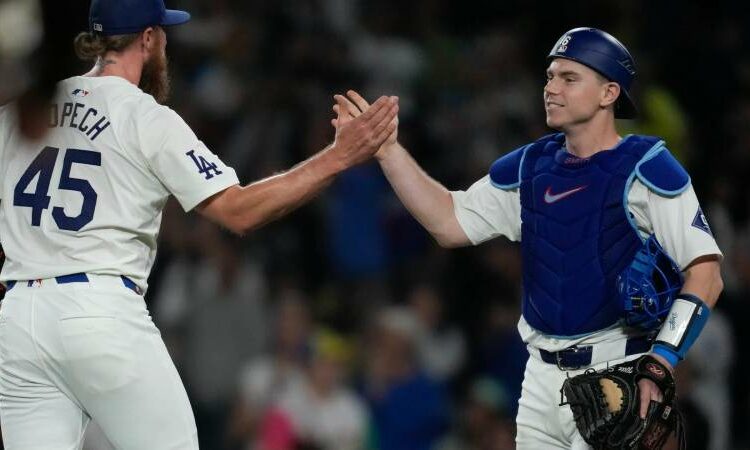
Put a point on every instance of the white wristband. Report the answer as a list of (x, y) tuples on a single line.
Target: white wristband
[(683, 324)]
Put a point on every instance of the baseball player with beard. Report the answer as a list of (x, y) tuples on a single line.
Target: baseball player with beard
[(79, 218), (590, 208)]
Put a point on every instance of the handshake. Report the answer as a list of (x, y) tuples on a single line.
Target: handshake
[(363, 130)]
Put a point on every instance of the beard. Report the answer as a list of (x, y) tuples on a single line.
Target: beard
[(155, 78)]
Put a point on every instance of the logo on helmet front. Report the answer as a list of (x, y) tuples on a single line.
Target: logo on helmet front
[(563, 47)]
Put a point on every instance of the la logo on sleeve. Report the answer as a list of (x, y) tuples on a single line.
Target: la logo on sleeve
[(204, 166)]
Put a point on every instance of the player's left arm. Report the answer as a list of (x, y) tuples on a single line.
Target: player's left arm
[(681, 227), (703, 279), (199, 180), (245, 208)]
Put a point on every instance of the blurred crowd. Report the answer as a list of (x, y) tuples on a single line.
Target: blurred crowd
[(344, 326)]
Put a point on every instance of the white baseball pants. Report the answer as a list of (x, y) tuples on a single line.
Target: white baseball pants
[(71, 352)]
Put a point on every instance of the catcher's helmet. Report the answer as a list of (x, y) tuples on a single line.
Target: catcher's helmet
[(605, 54), (648, 286)]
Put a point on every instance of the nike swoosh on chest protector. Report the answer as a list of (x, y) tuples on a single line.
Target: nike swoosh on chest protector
[(549, 197)]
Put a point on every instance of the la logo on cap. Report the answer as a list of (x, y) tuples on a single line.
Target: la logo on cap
[(98, 27)]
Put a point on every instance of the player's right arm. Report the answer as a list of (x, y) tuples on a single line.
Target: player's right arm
[(453, 218), (245, 208), (426, 199)]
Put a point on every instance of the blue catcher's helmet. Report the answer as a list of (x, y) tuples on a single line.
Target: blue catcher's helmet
[(605, 54), (648, 286)]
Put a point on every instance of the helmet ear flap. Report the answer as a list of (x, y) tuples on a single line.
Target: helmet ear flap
[(648, 286)]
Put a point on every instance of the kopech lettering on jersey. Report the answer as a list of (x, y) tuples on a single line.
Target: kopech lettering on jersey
[(577, 233)]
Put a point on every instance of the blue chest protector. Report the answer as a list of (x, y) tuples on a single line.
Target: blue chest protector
[(577, 233)]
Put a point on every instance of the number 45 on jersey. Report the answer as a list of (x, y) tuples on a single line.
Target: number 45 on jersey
[(43, 165)]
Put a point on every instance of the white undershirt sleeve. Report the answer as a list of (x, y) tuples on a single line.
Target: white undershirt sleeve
[(678, 223), (485, 212)]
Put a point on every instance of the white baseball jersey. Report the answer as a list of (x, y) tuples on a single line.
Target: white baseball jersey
[(485, 211), (88, 197)]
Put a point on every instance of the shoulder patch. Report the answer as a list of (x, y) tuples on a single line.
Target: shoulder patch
[(505, 171), (662, 173), (700, 222)]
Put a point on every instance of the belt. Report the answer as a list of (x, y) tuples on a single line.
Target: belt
[(578, 357), (81, 278)]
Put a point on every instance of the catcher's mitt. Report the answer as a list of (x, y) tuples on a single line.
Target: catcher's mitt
[(605, 406)]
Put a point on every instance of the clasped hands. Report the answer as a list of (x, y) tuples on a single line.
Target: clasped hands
[(365, 130)]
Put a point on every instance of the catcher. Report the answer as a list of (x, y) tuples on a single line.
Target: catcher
[(606, 313)]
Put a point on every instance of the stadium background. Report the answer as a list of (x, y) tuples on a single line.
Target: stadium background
[(344, 323)]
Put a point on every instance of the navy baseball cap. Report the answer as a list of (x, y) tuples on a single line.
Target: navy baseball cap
[(111, 17)]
